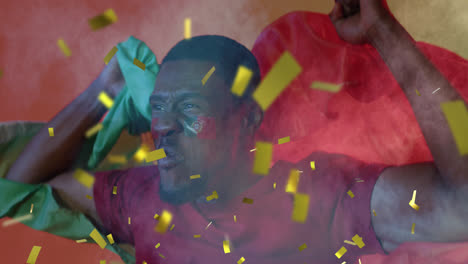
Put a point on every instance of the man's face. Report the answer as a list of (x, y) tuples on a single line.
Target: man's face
[(194, 125)]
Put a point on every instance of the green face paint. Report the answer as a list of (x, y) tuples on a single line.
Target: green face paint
[(200, 127)]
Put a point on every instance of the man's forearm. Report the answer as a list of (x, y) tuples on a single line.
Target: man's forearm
[(413, 70), (47, 156)]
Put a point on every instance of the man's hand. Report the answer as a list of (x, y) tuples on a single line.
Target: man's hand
[(354, 18), (111, 78)]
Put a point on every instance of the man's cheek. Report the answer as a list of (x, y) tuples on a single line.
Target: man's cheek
[(154, 121), (200, 127)]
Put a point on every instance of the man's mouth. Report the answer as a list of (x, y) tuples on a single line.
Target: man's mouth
[(171, 160)]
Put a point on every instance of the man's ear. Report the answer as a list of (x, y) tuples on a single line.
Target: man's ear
[(254, 116)]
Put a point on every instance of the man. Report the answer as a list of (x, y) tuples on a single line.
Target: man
[(262, 231)]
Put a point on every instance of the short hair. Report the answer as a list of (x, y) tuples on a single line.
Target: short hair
[(225, 53)]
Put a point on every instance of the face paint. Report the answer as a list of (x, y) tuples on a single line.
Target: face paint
[(200, 127)]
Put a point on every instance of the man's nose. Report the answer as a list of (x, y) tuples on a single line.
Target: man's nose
[(167, 125)]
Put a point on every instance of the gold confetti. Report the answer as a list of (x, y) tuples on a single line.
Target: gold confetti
[(329, 87), (358, 240), (98, 238), (195, 176), (102, 262), (341, 252), (226, 247), (208, 75), (172, 227), (157, 245), (302, 247), (417, 92), (110, 55), (293, 181), (82, 240), (241, 81), (456, 115), (117, 159), (156, 155), (283, 140), (196, 236), (375, 214), (359, 261), (235, 219), (103, 20), (263, 157), (156, 216), (129, 220), (110, 238), (213, 196), (140, 64), (114, 190), (360, 181), (412, 228), (84, 178), (252, 150), (161, 255), (89, 197), (350, 242), (93, 130), (33, 254), (188, 28), (274, 185), (105, 100), (51, 131), (312, 165), (301, 208), (17, 220), (241, 260), (32, 207), (1, 73), (351, 194), (141, 153), (63, 47), (247, 200), (285, 70), (164, 221), (144, 262), (412, 203), (436, 90), (208, 225)]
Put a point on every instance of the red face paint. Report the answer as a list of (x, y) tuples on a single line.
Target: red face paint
[(205, 127)]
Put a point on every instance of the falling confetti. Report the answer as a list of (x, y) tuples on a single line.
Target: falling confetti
[(312, 165), (51, 131), (247, 200), (157, 245), (302, 247), (17, 220), (103, 20), (156, 155), (84, 240), (84, 178), (140, 64), (329, 87), (33, 254), (226, 247), (283, 140), (188, 28), (93, 130), (110, 238), (301, 207), (412, 228), (195, 176), (63, 47), (241, 260), (341, 252), (358, 240), (241, 81), (351, 194), (164, 221), (293, 181), (263, 157), (105, 100), (208, 75), (457, 118), (98, 238), (110, 55)]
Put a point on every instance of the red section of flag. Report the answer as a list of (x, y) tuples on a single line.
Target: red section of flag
[(205, 127)]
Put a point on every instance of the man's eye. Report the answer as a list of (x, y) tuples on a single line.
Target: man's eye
[(158, 107), (190, 106)]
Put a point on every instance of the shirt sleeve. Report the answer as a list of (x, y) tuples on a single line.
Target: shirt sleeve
[(114, 209)]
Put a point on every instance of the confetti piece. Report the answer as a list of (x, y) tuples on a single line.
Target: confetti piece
[(84, 178), (156, 155), (93, 130), (293, 181), (457, 118), (17, 220), (301, 208), (89, 197), (157, 245), (110, 55), (114, 190), (241, 260), (144, 262), (350, 242), (360, 261), (235, 219), (226, 247), (98, 238), (360, 181), (33, 254), (412, 203), (161, 255), (247, 200), (103, 20), (196, 236), (117, 159), (285, 70), (208, 75), (172, 227), (32, 207), (375, 214), (341, 252), (283, 140), (358, 240), (351, 194), (436, 90), (156, 216), (312, 165), (274, 185), (329, 87), (102, 262), (51, 131), (188, 28), (63, 47), (252, 150), (140, 64), (417, 92), (412, 228), (213, 196), (105, 100), (141, 153), (208, 225), (1, 73), (129, 220), (241, 81), (82, 240), (263, 158), (302, 247), (110, 238), (195, 176), (164, 221)]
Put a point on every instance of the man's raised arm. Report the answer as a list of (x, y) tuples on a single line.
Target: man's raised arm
[(45, 157)]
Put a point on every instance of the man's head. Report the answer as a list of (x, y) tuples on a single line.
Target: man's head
[(204, 129)]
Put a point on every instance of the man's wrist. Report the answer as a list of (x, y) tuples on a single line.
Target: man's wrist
[(382, 33)]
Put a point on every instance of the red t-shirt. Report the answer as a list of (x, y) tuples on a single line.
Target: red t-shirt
[(264, 231)]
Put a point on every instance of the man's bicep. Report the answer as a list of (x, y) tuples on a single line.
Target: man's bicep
[(75, 196), (437, 218)]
